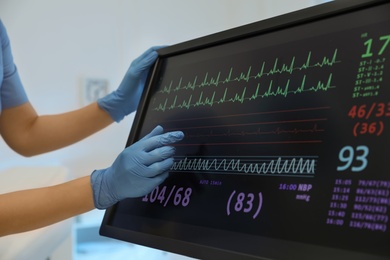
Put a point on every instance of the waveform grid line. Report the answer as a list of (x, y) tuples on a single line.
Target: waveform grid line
[(271, 166), (249, 143), (246, 76), (257, 132), (255, 123), (247, 114), (243, 97)]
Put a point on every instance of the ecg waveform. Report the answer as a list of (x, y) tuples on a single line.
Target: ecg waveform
[(271, 166), (246, 76), (243, 96)]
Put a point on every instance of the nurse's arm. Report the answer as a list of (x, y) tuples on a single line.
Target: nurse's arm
[(31, 209), (29, 134)]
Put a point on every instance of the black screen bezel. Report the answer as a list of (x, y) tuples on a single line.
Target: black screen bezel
[(220, 243)]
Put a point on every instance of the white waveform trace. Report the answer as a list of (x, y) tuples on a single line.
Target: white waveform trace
[(278, 165)]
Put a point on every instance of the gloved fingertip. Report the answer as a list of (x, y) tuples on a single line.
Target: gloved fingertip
[(177, 135), (158, 128), (159, 47), (156, 131), (171, 137), (167, 151)]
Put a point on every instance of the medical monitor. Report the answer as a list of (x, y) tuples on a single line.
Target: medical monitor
[(286, 152)]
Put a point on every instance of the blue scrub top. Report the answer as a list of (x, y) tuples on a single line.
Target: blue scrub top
[(12, 93)]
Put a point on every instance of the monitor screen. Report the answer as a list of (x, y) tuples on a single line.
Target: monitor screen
[(287, 136)]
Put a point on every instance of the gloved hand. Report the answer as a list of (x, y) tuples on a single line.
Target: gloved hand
[(137, 170), (125, 99)]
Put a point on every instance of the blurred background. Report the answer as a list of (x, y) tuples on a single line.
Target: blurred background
[(70, 52)]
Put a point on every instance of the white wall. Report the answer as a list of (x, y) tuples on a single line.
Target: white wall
[(57, 43)]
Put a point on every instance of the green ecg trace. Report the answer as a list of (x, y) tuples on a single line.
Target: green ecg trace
[(246, 76), (243, 96)]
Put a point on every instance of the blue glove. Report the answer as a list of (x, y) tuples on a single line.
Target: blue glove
[(125, 99), (137, 170)]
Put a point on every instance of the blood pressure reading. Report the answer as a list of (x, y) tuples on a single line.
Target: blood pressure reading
[(287, 140)]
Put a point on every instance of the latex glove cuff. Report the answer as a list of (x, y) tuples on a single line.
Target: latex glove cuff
[(112, 105), (101, 201)]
